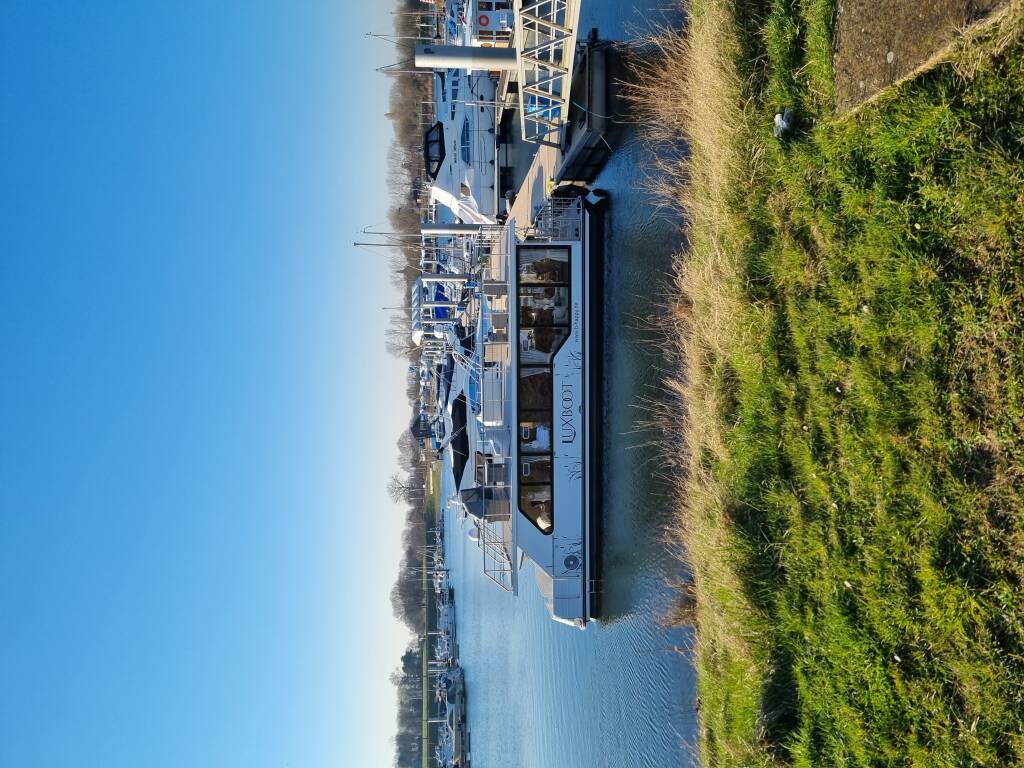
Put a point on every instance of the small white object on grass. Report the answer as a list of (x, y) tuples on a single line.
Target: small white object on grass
[(783, 122)]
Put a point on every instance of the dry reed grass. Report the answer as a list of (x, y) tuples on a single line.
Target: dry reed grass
[(687, 88)]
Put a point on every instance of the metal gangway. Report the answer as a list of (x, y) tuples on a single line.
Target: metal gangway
[(545, 41)]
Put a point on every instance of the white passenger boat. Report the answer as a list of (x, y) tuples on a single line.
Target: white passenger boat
[(556, 307), (528, 402)]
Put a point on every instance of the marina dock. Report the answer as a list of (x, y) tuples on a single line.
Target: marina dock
[(502, 314)]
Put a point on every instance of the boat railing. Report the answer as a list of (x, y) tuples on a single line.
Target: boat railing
[(496, 555), (480, 396), (558, 219), (494, 382), (487, 366), (495, 523), (489, 253)]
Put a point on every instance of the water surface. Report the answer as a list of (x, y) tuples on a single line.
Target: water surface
[(620, 693)]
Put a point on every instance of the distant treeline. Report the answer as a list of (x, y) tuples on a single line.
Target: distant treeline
[(409, 117), (408, 682), (408, 598)]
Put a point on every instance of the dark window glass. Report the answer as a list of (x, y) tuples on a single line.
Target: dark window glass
[(535, 432), (543, 265), (543, 316), (536, 504), (543, 306), (535, 469), (464, 143), (537, 346), (535, 389)]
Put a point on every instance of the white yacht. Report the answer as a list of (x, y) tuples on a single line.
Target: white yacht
[(556, 307), (527, 403), (459, 149)]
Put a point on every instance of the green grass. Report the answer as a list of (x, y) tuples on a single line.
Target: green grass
[(432, 511), (432, 498), (851, 327)]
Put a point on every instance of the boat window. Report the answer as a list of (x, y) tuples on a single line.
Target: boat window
[(537, 346), (543, 318), (544, 265), (535, 390), (535, 433), (535, 469), (545, 305), (535, 502), (465, 146)]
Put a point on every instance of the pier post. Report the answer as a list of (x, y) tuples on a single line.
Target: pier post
[(467, 57)]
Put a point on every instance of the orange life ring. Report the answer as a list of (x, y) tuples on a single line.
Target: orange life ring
[(483, 21)]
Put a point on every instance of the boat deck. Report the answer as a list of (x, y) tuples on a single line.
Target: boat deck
[(536, 184)]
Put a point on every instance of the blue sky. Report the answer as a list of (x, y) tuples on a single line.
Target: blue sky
[(197, 416)]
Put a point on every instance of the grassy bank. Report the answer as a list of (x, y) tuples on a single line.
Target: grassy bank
[(432, 511), (432, 501), (849, 332)]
